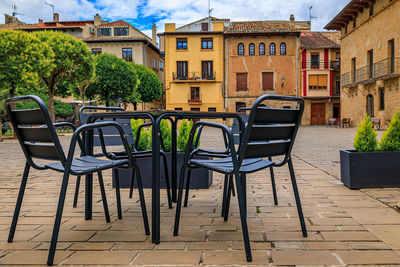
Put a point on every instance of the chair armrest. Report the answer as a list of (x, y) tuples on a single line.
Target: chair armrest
[(98, 126), (226, 131)]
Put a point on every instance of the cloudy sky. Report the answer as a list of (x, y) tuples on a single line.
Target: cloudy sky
[(143, 13)]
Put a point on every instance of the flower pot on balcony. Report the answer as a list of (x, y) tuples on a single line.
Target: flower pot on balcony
[(369, 169), (200, 178)]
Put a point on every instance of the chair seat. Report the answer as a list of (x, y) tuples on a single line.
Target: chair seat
[(88, 164), (225, 165)]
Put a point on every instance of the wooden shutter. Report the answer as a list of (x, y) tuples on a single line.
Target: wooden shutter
[(241, 81), (204, 27), (312, 80), (268, 81), (322, 81)]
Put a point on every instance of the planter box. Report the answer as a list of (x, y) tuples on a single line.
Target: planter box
[(200, 178), (369, 169)]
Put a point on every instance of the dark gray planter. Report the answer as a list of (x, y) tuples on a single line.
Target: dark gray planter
[(200, 178), (370, 169)]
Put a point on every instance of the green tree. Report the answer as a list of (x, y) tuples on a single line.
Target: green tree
[(150, 87), (70, 60), (115, 78), (21, 59), (390, 140), (365, 139)]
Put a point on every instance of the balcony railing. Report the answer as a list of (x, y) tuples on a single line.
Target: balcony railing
[(323, 64), (194, 100), (193, 76), (380, 69)]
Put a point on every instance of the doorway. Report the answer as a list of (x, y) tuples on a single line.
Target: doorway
[(370, 105), (317, 113)]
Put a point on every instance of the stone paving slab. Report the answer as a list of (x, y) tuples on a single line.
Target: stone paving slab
[(345, 227)]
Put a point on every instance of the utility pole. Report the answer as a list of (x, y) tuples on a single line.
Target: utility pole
[(51, 5), (209, 14), (311, 16)]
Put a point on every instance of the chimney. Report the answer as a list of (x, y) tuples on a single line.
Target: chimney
[(40, 21), (56, 17), (97, 20), (154, 33), (9, 19), (291, 19)]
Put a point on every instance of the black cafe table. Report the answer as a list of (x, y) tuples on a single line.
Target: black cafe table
[(156, 116)]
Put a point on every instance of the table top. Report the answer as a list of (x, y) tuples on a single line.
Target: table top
[(159, 112)]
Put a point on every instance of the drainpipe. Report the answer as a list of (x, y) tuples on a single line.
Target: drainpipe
[(226, 74), (297, 63)]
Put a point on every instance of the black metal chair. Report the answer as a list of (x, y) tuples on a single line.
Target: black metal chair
[(83, 117), (270, 132), (38, 139)]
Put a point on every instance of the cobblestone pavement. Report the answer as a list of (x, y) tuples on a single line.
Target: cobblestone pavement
[(345, 227)]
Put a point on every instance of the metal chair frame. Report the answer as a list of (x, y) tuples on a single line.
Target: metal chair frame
[(41, 141), (270, 132)]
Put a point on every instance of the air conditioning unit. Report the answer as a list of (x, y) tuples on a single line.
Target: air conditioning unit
[(92, 30)]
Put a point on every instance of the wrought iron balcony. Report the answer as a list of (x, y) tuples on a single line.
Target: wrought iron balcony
[(345, 79), (193, 76), (323, 64), (194, 100)]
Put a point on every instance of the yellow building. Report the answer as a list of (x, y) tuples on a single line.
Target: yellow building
[(370, 63), (194, 65)]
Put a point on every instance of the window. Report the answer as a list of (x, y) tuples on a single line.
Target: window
[(315, 60), (96, 51), (194, 94), (206, 43), (370, 59), (272, 49), (267, 81), (371, 9), (354, 22), (121, 31), (353, 69), (161, 65), (207, 70), (391, 54), (252, 49), (262, 49), (194, 109), (127, 54), (345, 29), (283, 49), (182, 69), (241, 81), (204, 27), (317, 81), (382, 98), (181, 43), (103, 32), (154, 63), (240, 49), (178, 109), (212, 109)]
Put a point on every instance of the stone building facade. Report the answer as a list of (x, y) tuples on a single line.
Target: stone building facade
[(261, 57), (370, 63), (320, 76)]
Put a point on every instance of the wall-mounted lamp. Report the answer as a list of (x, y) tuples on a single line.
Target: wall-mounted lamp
[(283, 81)]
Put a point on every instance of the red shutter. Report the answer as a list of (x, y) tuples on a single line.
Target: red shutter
[(326, 58), (268, 81), (241, 81)]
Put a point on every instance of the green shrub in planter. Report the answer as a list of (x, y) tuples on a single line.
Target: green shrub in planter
[(183, 135), (166, 135), (145, 135), (365, 139), (391, 137)]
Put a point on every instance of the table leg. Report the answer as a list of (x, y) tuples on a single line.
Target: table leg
[(174, 160), (155, 203)]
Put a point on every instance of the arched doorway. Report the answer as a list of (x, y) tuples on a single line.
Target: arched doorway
[(370, 105)]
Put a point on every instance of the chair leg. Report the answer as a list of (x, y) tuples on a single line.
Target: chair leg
[(271, 171), (132, 182), (228, 198), (103, 197), (179, 201), (233, 191), (167, 181), (78, 182), (142, 200), (117, 193), (224, 195), (242, 209), (57, 221), (19, 202), (187, 187), (297, 197), (244, 186)]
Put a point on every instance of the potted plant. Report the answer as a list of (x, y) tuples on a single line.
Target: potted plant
[(200, 178), (371, 165)]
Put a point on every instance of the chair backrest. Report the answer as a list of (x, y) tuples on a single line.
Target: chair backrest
[(271, 131), (110, 134), (35, 130)]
